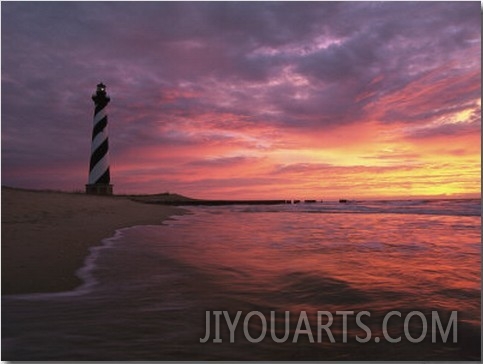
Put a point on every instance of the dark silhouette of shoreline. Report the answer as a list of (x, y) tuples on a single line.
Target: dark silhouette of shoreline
[(185, 201)]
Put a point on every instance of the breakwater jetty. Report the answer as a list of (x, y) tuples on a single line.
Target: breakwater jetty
[(194, 202), (178, 200)]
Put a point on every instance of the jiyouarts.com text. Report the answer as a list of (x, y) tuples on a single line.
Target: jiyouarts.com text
[(326, 326)]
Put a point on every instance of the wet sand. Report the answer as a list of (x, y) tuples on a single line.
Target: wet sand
[(47, 235)]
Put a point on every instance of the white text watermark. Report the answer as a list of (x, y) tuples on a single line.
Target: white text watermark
[(269, 327)]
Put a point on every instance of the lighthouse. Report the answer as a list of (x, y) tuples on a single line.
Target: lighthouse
[(99, 175)]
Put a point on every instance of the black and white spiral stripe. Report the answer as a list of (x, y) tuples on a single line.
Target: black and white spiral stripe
[(99, 164)]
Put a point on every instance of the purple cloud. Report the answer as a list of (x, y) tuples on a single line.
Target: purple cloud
[(179, 72)]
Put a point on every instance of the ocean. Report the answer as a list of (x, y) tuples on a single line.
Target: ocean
[(150, 292)]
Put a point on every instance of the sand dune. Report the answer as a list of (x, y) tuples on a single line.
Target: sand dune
[(46, 235)]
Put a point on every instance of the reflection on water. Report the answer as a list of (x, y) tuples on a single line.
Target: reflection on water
[(154, 286)]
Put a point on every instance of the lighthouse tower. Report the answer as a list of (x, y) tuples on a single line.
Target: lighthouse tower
[(99, 176)]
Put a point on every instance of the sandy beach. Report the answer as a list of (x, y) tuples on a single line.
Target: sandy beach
[(46, 235)]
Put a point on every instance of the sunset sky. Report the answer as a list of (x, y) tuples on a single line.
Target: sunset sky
[(246, 100)]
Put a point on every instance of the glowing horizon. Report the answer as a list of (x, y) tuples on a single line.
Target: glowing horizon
[(254, 100)]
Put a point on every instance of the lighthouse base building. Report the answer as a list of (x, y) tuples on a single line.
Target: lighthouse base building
[(99, 174), (99, 189)]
